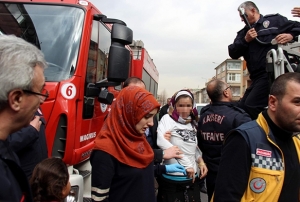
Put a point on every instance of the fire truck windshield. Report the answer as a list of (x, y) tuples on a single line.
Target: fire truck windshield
[(56, 30)]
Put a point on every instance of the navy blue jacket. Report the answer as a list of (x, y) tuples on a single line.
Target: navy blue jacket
[(14, 183), (30, 146), (158, 153), (267, 28), (215, 122), (119, 181)]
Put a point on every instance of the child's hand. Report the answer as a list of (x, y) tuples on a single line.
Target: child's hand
[(167, 135)]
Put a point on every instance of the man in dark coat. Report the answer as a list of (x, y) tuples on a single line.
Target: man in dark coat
[(29, 143), (164, 109), (264, 28), (216, 120), (22, 84)]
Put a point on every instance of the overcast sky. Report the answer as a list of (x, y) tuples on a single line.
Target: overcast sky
[(186, 39)]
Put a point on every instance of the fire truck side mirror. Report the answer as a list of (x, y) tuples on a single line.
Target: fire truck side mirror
[(119, 55), (105, 97)]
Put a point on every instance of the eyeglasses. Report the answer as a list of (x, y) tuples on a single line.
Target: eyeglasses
[(43, 95), (227, 88)]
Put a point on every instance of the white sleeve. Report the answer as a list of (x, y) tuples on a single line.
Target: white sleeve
[(164, 125), (198, 153)]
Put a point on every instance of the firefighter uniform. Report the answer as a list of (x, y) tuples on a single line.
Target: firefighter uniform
[(215, 121), (267, 28)]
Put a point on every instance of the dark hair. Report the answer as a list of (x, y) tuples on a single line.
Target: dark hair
[(249, 5), (215, 90), (278, 87), (48, 180), (132, 80)]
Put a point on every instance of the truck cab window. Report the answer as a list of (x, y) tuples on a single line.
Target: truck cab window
[(98, 53)]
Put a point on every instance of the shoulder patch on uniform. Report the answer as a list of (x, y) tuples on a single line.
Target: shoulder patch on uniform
[(270, 15), (238, 109)]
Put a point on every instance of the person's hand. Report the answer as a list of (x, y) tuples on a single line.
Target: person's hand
[(172, 168), (296, 12), (250, 35), (191, 173), (283, 38), (172, 152), (36, 123), (203, 169), (167, 135)]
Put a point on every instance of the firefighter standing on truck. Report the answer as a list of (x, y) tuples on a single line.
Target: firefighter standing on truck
[(265, 28)]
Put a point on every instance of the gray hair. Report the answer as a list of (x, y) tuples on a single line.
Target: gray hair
[(248, 5), (17, 61)]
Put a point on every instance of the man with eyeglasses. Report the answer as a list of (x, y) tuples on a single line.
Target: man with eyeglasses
[(29, 143), (22, 82), (216, 120), (247, 44)]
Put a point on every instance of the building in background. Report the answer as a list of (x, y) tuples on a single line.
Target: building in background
[(235, 74), (201, 96), (246, 79)]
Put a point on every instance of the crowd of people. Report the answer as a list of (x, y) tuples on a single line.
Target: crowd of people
[(204, 147), (247, 151)]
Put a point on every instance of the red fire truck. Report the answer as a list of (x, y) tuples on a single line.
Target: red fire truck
[(88, 57), (144, 67)]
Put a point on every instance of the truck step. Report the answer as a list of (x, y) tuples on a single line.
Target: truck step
[(87, 199), (84, 173)]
